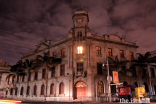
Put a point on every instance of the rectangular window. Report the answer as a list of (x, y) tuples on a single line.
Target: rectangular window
[(43, 73), (79, 67), (17, 78), (53, 72), (36, 75), (122, 53), (62, 70), (99, 68), (98, 50), (131, 56), (63, 53), (54, 54), (79, 49), (23, 77), (152, 72), (29, 77), (109, 52), (13, 78)]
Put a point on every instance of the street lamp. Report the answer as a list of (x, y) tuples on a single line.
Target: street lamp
[(108, 77)]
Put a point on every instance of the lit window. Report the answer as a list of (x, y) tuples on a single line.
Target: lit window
[(79, 49), (100, 87), (122, 53), (98, 50), (109, 51)]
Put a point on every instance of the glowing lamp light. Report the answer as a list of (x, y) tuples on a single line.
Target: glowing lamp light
[(79, 49), (81, 59)]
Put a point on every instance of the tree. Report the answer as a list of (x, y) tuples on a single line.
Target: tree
[(45, 61), (16, 70), (116, 65), (142, 63)]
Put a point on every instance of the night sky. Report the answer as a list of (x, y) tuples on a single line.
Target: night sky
[(23, 23)]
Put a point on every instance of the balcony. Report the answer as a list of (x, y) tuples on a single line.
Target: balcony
[(81, 74)]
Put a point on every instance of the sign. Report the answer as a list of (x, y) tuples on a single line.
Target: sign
[(115, 77), (140, 91)]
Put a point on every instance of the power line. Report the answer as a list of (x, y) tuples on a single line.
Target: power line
[(12, 50), (17, 41), (19, 35), (17, 44)]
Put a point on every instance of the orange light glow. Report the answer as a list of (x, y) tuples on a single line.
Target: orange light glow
[(79, 49), (9, 101)]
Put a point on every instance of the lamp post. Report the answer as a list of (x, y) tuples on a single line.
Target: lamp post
[(108, 77)]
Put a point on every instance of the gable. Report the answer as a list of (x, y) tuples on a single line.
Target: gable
[(115, 38)]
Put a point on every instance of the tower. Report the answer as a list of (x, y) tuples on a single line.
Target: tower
[(80, 18), (80, 24)]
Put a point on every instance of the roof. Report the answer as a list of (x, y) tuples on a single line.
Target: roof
[(80, 9)]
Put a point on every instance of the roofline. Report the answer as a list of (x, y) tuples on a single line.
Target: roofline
[(88, 37)]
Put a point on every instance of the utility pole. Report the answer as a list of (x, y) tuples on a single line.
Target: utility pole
[(108, 77)]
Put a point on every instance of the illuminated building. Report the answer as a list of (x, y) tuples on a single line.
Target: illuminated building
[(4, 70), (80, 75)]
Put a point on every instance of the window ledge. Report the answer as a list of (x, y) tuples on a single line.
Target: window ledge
[(78, 55), (61, 95), (62, 76), (99, 55), (52, 95)]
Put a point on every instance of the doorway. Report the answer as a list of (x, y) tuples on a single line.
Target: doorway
[(80, 90)]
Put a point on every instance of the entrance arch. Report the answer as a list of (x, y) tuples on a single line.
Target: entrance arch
[(80, 90)]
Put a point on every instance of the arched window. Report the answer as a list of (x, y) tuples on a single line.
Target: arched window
[(100, 87), (16, 91), (35, 89), (11, 91), (52, 89), (61, 88), (21, 93), (43, 73), (42, 89), (28, 88)]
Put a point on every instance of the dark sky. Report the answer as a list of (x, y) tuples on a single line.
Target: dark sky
[(134, 20)]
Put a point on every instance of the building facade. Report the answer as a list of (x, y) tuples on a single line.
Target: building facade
[(4, 70), (80, 74)]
